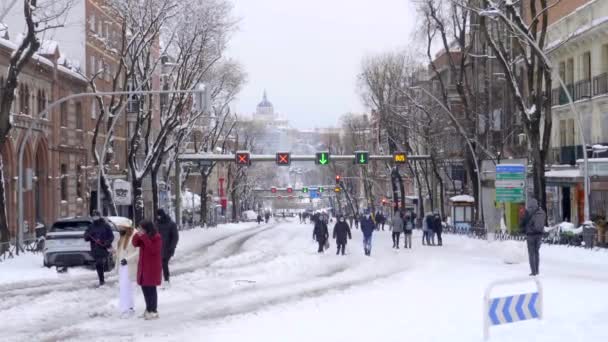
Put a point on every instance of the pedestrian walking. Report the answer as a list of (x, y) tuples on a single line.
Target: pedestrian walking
[(397, 228), (100, 235), (170, 236), (367, 228), (127, 257), (149, 267), (341, 233), (357, 221), (320, 234), (533, 224), (259, 219), (437, 228), (408, 228)]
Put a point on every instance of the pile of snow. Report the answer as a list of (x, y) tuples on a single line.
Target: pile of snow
[(565, 227)]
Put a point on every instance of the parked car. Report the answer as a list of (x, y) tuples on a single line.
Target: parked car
[(65, 246)]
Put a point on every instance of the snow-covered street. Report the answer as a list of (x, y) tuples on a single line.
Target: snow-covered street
[(267, 283)]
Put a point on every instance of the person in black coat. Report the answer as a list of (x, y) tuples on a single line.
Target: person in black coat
[(320, 234), (170, 236), (341, 232), (100, 235), (438, 228)]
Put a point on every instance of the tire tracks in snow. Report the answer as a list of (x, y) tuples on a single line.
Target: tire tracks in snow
[(17, 294)]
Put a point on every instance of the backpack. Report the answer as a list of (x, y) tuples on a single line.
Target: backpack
[(536, 222), (409, 225)]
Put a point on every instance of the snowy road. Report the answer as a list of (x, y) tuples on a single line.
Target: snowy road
[(266, 283)]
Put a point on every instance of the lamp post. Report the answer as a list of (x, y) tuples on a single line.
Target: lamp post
[(43, 115), (495, 13)]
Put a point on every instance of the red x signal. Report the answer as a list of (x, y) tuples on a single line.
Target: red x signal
[(283, 158), (242, 158)]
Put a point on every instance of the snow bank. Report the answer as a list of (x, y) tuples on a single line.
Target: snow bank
[(190, 200)]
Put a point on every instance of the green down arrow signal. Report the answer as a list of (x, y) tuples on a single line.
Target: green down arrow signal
[(323, 160), (362, 159)]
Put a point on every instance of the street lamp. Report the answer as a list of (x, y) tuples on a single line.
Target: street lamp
[(464, 134), (494, 13), (43, 115)]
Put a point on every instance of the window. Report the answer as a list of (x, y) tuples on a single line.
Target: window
[(64, 182), (562, 133), (570, 72), (93, 65), (41, 101), (79, 181), (562, 71), (78, 115), (94, 109), (92, 23), (586, 66), (24, 100), (63, 119), (605, 58), (570, 133)]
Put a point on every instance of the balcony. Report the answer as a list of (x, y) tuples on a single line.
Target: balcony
[(558, 95), (600, 84)]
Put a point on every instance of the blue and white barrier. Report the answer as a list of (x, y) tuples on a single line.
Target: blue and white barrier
[(511, 309)]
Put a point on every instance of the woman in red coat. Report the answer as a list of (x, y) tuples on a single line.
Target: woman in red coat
[(149, 270)]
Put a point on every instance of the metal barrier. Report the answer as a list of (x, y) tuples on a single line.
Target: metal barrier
[(8, 250), (511, 309)]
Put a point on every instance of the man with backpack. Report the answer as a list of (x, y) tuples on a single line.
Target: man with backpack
[(533, 224)]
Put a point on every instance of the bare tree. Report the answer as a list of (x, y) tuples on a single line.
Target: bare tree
[(39, 16), (528, 72)]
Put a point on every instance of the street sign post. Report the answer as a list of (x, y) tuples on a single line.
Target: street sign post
[(510, 183)]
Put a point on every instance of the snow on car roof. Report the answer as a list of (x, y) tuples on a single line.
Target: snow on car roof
[(121, 221)]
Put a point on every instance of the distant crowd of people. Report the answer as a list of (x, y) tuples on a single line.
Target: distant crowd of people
[(402, 222)]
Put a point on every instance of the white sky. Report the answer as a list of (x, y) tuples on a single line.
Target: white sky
[(307, 53)]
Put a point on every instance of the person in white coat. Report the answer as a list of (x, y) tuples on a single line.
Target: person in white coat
[(126, 259)]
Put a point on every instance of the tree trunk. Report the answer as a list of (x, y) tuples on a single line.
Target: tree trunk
[(204, 184), (538, 168), (4, 231), (394, 183), (138, 200), (155, 199), (108, 201)]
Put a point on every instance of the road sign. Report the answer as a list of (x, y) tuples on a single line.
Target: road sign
[(399, 158), (322, 158), (361, 157), (283, 158), (243, 158), (314, 193), (510, 183)]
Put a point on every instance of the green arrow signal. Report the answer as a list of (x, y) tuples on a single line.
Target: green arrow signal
[(323, 160), (362, 159)]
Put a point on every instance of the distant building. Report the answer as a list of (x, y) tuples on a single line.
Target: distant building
[(272, 133)]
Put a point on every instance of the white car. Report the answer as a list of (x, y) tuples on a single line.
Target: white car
[(65, 246)]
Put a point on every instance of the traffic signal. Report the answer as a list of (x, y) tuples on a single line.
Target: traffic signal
[(283, 159), (337, 189), (384, 201), (322, 158), (289, 190), (338, 178), (243, 158), (361, 157), (273, 190), (321, 189), (305, 190), (399, 158)]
